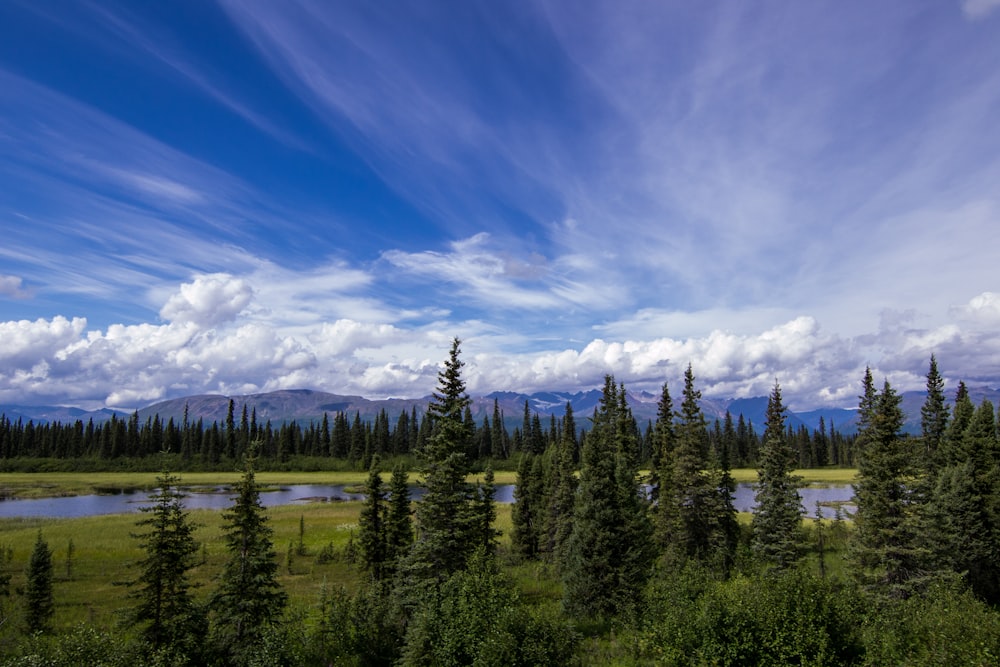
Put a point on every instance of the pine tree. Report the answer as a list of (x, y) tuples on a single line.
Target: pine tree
[(778, 516), (372, 533), (933, 418), (488, 514), (398, 525), (609, 552), (965, 522), (561, 496), (38, 596), (249, 599), (447, 515), (697, 519), (884, 544), (166, 611), (527, 512)]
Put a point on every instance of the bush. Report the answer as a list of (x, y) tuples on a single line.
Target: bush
[(946, 626), (773, 619)]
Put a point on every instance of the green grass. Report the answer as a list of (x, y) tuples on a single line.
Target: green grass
[(51, 484)]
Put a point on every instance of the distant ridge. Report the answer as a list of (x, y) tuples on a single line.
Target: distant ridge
[(306, 405)]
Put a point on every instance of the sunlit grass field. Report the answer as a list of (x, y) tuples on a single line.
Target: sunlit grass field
[(49, 484), (89, 588), (105, 552)]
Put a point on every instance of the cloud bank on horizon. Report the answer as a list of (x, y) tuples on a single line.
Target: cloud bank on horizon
[(236, 197)]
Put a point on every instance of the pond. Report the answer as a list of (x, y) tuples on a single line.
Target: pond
[(218, 498)]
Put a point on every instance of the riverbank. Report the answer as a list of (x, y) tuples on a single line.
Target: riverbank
[(59, 484)]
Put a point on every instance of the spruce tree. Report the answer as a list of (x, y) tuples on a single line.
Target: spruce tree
[(964, 507), (527, 512), (561, 496), (166, 611), (38, 597), (447, 518), (249, 599), (609, 552), (933, 418), (398, 524), (884, 543), (697, 519), (372, 534), (487, 515), (778, 516)]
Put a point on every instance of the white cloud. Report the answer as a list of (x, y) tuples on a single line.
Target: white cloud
[(983, 308), (979, 9), (26, 343), (13, 286), (208, 300)]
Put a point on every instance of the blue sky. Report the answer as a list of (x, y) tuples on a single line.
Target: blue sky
[(238, 196)]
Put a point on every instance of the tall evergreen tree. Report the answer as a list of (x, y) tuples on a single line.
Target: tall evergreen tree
[(778, 516), (933, 418), (166, 611), (528, 510), (884, 544), (697, 519), (398, 524), (609, 552), (372, 534), (965, 510), (249, 599), (38, 597), (561, 496), (447, 515)]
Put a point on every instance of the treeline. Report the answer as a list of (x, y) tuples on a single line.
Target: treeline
[(353, 442)]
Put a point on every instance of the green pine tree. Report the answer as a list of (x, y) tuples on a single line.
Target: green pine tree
[(777, 518), (38, 597), (884, 545), (561, 496), (529, 502), (448, 515), (249, 599), (166, 611), (610, 551), (372, 533), (398, 523), (697, 520)]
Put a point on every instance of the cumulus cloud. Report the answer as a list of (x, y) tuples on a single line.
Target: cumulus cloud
[(214, 341), (26, 343), (208, 300), (13, 286), (983, 308)]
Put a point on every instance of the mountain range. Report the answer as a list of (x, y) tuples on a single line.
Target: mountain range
[(305, 405)]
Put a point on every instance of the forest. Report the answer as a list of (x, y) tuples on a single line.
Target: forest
[(622, 546)]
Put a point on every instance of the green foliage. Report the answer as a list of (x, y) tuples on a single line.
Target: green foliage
[(371, 525), (947, 626), (398, 524), (527, 513), (38, 597), (476, 619), (610, 549), (885, 547), (696, 519), (777, 519), (561, 496), (249, 598), (359, 629), (782, 618), (166, 611)]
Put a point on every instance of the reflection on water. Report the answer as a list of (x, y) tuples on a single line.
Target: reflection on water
[(220, 498)]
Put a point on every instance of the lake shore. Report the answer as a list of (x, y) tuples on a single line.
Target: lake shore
[(58, 484)]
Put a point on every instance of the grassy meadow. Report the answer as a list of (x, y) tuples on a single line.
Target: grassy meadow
[(88, 586)]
